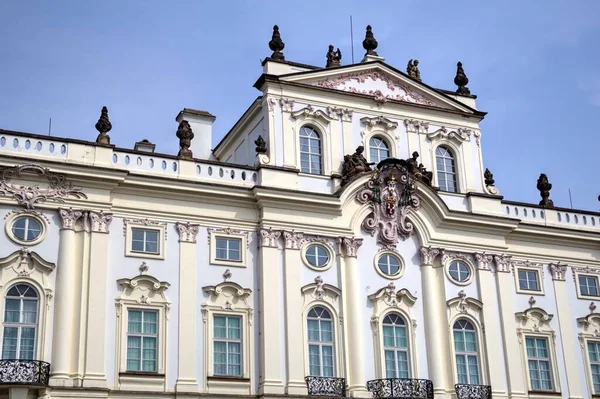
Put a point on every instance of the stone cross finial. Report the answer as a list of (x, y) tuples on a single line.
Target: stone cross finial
[(277, 45), (544, 186), (461, 80), (185, 136), (370, 44), (103, 126)]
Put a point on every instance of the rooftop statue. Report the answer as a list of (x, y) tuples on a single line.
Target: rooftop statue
[(355, 165), (412, 69), (333, 57), (544, 186)]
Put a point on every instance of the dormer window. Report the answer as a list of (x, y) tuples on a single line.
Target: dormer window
[(310, 151), (446, 170), (378, 150)]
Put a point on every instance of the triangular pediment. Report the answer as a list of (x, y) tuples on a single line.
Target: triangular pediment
[(379, 81)]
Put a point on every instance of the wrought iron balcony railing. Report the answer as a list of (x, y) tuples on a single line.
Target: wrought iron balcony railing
[(405, 388), (326, 386), (24, 372), (466, 391)]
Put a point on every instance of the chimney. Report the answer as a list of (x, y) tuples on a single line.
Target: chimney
[(144, 146), (201, 124)]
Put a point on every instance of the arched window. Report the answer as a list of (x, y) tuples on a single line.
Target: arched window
[(466, 353), (378, 150), (446, 170), (395, 347), (310, 151), (320, 343), (20, 323)]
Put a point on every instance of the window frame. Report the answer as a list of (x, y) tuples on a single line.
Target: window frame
[(12, 219), (320, 139), (395, 254), (228, 249), (465, 353), (134, 295), (539, 359), (396, 349), (320, 343), (20, 325), (231, 300), (135, 224), (228, 340), (451, 260), (142, 335), (378, 149), (453, 155), (580, 294), (322, 244), (228, 234), (529, 267)]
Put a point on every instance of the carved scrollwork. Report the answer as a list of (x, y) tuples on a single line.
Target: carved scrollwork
[(58, 187), (429, 254), (292, 239), (269, 237), (187, 231), (391, 192), (100, 221), (558, 271)]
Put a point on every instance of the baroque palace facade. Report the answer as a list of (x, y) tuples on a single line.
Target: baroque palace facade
[(343, 239)]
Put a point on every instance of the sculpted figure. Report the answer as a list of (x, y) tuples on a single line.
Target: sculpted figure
[(355, 164), (412, 69), (333, 57), (390, 196)]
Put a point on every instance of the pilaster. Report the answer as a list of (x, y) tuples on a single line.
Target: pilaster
[(413, 130), (64, 310), (288, 135), (271, 381), (187, 348), (292, 262), (436, 323), (95, 347), (354, 304), (514, 370), (569, 340), (493, 336)]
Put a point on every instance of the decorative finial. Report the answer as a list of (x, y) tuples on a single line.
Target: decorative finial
[(489, 178), (333, 57), (412, 69), (370, 44), (461, 80), (144, 268), (261, 145), (544, 186), (531, 302), (185, 136), (592, 307), (227, 275), (462, 294), (103, 126), (277, 45)]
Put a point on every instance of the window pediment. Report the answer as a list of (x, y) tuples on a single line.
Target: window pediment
[(309, 113), (24, 262), (321, 291), (590, 324), (388, 297), (143, 289), (227, 296), (534, 319), (458, 136), (465, 305)]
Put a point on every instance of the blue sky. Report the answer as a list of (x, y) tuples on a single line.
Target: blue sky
[(533, 65)]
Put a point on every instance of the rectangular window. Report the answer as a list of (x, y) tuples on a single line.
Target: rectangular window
[(588, 285), (145, 241), (594, 356), (227, 345), (529, 280), (142, 340), (538, 360), (228, 249)]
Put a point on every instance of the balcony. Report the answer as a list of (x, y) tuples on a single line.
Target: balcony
[(466, 391), (405, 388), (326, 386), (24, 372)]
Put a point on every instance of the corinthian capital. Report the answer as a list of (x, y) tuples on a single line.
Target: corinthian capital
[(187, 231), (558, 271), (69, 217), (484, 261), (292, 239), (429, 254), (269, 237), (99, 221), (349, 246), (503, 263)]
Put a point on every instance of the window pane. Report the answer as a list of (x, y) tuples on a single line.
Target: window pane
[(314, 360), (134, 345), (9, 343), (220, 326), (30, 311), (12, 311), (134, 324), (27, 343), (149, 354), (220, 357)]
